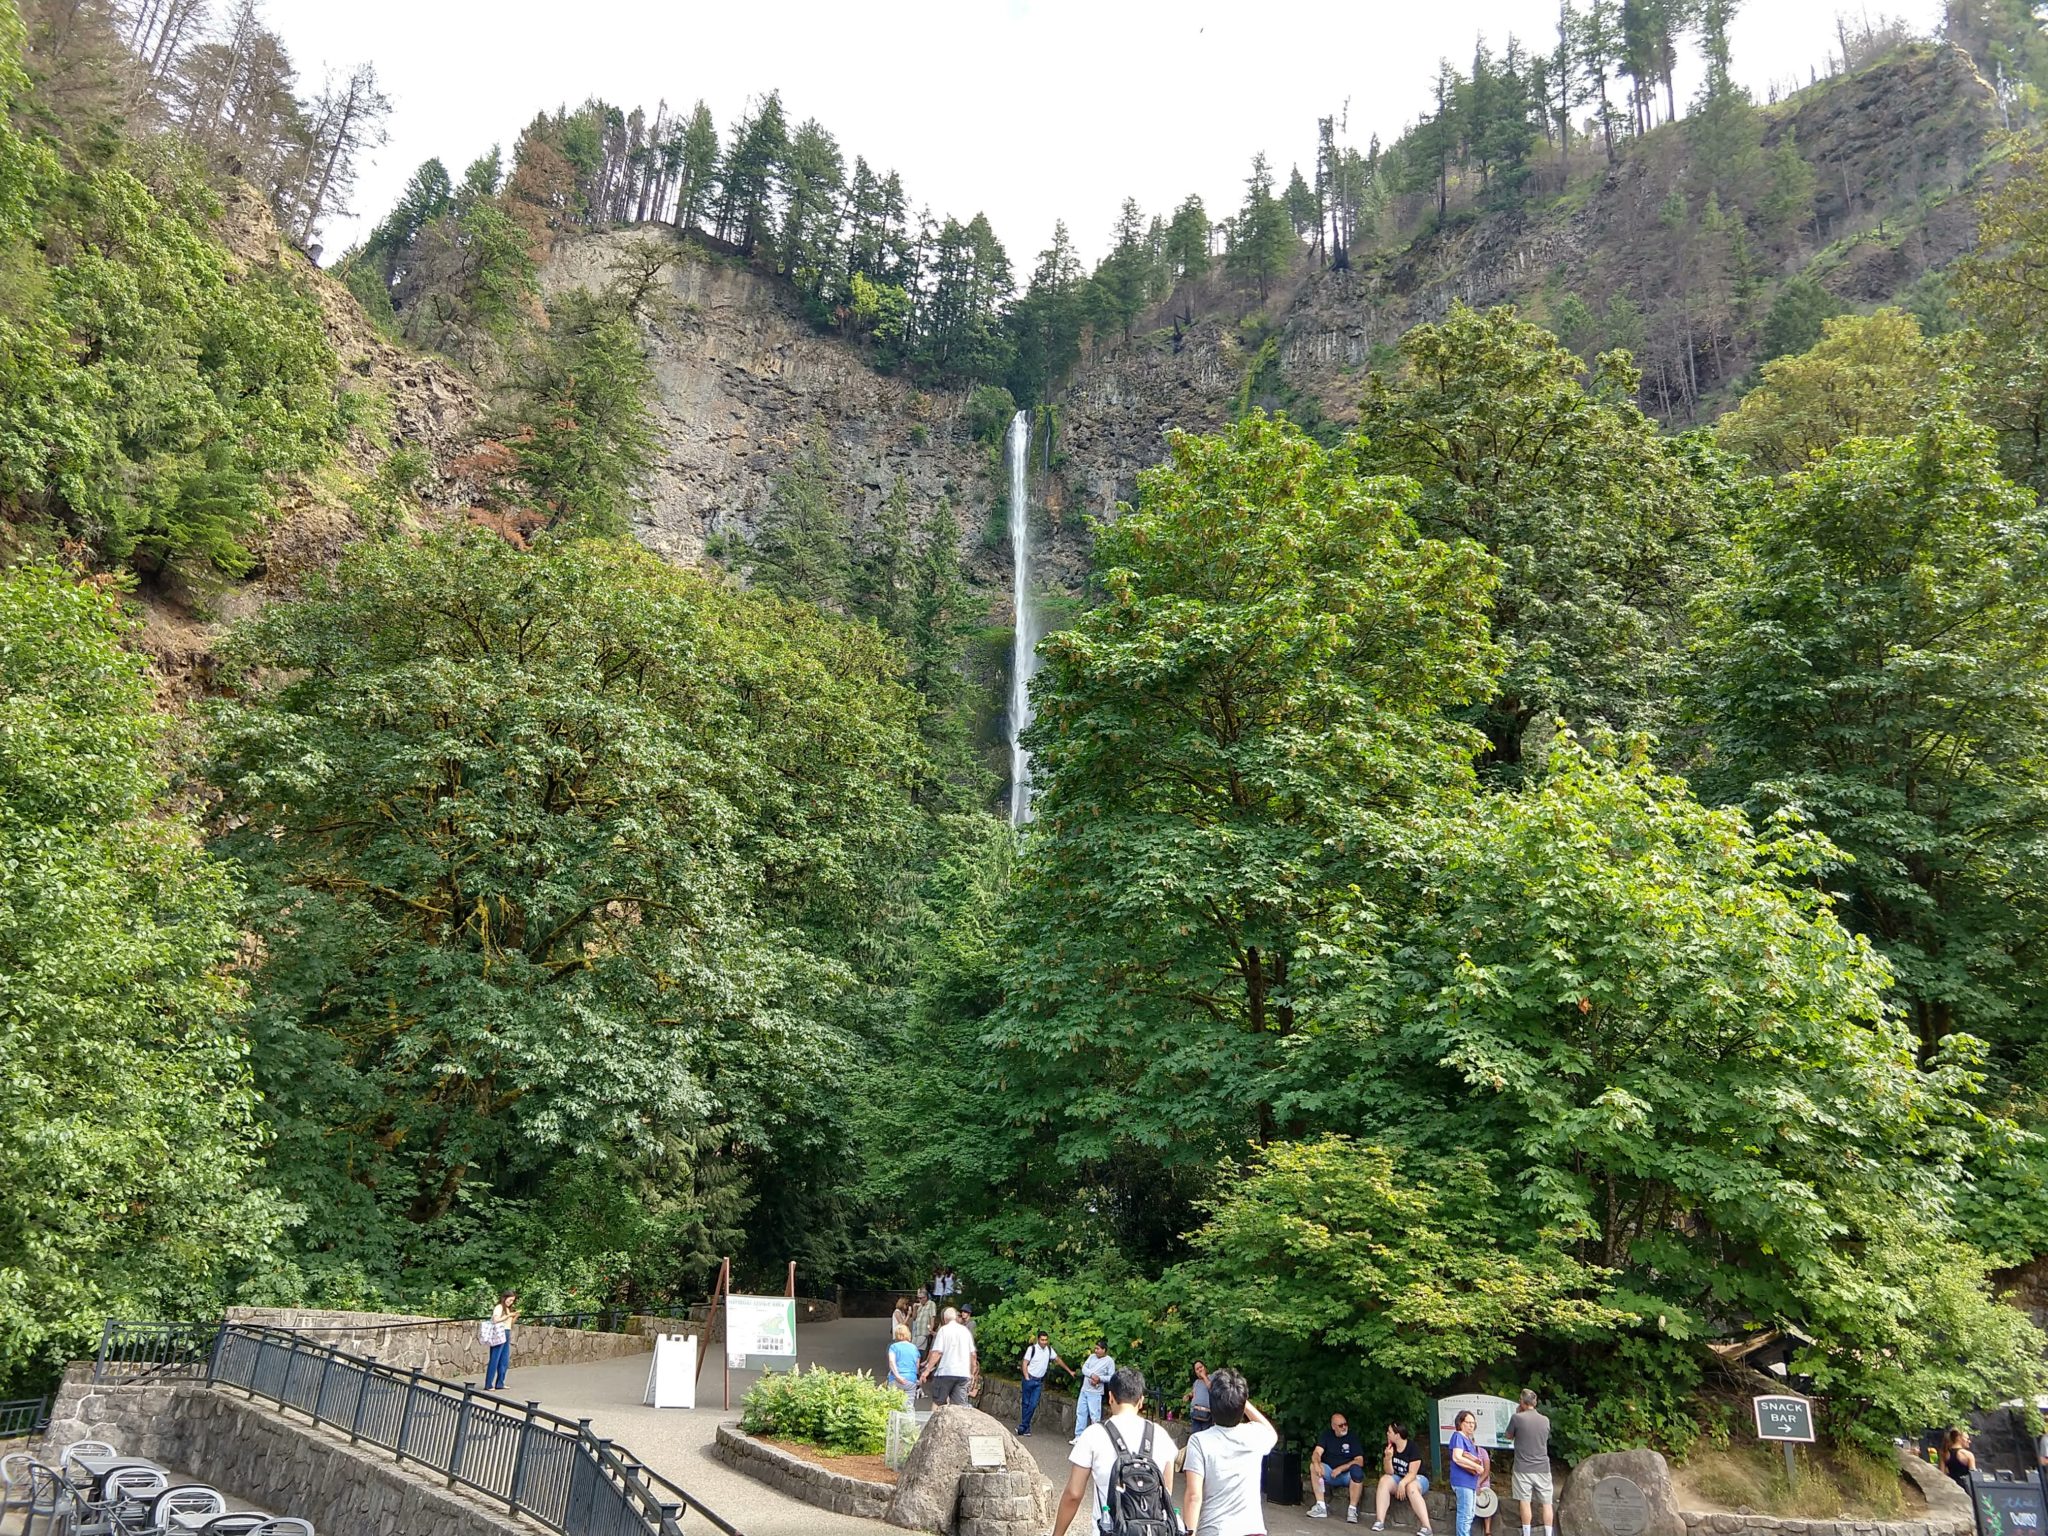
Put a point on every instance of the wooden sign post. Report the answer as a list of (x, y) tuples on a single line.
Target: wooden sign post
[(1786, 1418)]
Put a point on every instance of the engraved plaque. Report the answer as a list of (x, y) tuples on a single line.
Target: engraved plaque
[(1620, 1507), (985, 1451)]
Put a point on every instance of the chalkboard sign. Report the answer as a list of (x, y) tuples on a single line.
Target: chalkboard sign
[(1781, 1416), (2008, 1509)]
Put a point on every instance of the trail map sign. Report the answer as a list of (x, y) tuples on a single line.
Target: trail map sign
[(760, 1333), (2008, 1509), (1781, 1416), (1492, 1414)]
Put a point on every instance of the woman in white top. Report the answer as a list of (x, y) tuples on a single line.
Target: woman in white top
[(498, 1334)]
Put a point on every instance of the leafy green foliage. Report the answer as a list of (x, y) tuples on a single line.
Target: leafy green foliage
[(839, 1411), (560, 861), (1867, 376), (127, 1124), (154, 396), (1244, 730), (1602, 526)]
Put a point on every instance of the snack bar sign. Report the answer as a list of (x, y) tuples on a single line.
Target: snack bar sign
[(1781, 1416)]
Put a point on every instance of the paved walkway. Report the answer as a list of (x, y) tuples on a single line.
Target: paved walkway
[(676, 1442)]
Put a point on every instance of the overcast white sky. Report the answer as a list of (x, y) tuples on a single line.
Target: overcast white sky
[(1027, 110)]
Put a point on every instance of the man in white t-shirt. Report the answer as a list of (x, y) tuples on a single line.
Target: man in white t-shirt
[(1221, 1473), (1093, 1457), (1095, 1373), (1039, 1358), (952, 1369)]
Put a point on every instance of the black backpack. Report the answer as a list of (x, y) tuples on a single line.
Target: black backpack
[(1138, 1501)]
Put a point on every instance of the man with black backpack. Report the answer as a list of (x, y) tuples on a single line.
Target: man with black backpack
[(1126, 1464)]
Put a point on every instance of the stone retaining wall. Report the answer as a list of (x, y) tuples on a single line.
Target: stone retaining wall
[(1005, 1400), (257, 1455), (1948, 1514), (450, 1348), (801, 1479)]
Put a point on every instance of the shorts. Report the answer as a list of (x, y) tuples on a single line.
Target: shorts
[(1343, 1479), (1421, 1482), (1534, 1487), (947, 1391)]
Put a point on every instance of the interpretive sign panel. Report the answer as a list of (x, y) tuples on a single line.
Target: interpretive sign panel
[(760, 1333), (1492, 1414), (1782, 1416)]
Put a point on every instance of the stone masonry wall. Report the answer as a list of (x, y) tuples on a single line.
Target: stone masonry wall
[(257, 1455), (1948, 1514), (448, 1348), (800, 1479)]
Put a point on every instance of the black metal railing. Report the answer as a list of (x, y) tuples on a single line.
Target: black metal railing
[(553, 1469), (23, 1418), (154, 1351)]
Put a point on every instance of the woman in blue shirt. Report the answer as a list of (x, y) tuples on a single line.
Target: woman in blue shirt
[(903, 1365), (1465, 1468)]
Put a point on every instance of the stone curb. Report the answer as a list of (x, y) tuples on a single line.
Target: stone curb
[(798, 1478)]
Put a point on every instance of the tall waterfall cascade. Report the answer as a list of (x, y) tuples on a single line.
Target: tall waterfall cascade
[(1025, 635)]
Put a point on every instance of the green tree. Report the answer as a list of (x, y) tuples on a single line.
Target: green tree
[(1265, 247), (1647, 1015), (1877, 659), (696, 169), (1245, 728), (577, 422), (1868, 376), (2002, 286), (1797, 316), (562, 863), (802, 546), (883, 580), (128, 1135), (1603, 526)]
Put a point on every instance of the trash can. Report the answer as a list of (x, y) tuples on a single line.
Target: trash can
[(1280, 1477)]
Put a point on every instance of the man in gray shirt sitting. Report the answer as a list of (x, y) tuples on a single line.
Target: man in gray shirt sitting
[(1530, 1433)]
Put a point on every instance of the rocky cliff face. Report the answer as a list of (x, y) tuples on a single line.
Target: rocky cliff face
[(1898, 153), (744, 381)]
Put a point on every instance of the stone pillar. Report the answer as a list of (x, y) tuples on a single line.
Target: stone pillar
[(994, 1501)]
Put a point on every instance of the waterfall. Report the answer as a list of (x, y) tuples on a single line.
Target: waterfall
[(1024, 638)]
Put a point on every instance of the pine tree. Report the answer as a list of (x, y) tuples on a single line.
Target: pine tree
[(800, 548), (697, 167), (1265, 244)]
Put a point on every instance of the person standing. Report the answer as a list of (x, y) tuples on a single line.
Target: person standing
[(1401, 1477), (1957, 1459), (1096, 1452), (903, 1365), (1221, 1471), (1529, 1433), (1039, 1357), (1197, 1399), (1338, 1461), (923, 1318), (1465, 1468), (1096, 1371), (497, 1333), (952, 1368), (900, 1318)]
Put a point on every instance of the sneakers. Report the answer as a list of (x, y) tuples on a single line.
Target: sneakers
[(1351, 1516), (1319, 1511), (1379, 1525)]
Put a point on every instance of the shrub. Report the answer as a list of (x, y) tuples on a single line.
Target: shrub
[(989, 412), (843, 1412)]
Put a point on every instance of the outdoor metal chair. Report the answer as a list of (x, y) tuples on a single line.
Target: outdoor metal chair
[(284, 1525), (240, 1524), (126, 1498), (14, 1479), (51, 1508), (185, 1499), (67, 1460)]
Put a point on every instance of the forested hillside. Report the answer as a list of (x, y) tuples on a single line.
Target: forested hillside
[(1538, 864)]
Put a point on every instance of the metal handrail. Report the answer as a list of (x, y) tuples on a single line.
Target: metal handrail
[(24, 1418), (552, 1469)]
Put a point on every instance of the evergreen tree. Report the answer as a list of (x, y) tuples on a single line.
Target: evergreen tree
[(801, 546), (697, 169), (1265, 245), (883, 580)]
